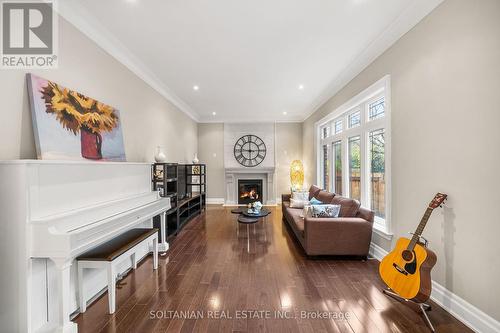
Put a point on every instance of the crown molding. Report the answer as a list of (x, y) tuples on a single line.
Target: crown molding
[(403, 23), (249, 121), (80, 18)]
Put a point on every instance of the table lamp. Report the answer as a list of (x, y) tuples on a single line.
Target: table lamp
[(297, 175)]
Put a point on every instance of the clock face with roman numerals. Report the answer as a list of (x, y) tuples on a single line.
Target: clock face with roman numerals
[(250, 150)]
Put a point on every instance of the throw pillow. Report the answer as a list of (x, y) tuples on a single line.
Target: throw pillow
[(297, 203), (325, 210), (300, 195), (315, 201), (306, 212), (313, 190), (325, 197), (348, 207)]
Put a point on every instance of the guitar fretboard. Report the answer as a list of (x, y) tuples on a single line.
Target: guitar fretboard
[(420, 228)]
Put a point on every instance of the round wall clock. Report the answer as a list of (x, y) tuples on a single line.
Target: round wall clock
[(249, 150)]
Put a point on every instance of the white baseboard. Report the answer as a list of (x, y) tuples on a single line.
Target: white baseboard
[(467, 313), (215, 201), (377, 252)]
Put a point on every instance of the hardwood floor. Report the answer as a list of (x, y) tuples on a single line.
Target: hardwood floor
[(208, 272)]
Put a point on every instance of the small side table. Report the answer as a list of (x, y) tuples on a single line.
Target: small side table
[(262, 213), (247, 220), (237, 210)]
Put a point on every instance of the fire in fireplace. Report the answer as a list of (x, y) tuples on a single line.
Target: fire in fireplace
[(249, 190)]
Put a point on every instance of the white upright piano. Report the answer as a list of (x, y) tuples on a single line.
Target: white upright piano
[(52, 211)]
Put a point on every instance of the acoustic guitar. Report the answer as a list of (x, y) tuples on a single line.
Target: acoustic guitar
[(407, 269)]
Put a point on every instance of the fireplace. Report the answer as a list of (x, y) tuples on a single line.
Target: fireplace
[(249, 190)]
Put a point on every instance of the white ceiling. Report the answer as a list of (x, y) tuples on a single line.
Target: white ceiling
[(247, 57)]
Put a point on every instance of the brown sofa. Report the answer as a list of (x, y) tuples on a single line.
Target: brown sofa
[(349, 234)]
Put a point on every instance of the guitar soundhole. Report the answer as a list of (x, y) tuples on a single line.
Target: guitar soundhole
[(407, 255)]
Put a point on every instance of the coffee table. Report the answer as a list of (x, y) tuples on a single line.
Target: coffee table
[(246, 220), (249, 218), (262, 213), (238, 210)]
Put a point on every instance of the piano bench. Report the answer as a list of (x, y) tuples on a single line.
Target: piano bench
[(112, 253)]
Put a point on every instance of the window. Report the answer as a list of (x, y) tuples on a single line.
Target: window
[(337, 155), (377, 172), (354, 158), (376, 109), (354, 119), (325, 132), (326, 168), (355, 167), (338, 126)]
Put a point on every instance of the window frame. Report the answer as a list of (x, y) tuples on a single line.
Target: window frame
[(342, 166), (360, 102), (348, 114), (373, 101)]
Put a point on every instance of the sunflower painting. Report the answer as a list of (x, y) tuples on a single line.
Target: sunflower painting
[(69, 125)]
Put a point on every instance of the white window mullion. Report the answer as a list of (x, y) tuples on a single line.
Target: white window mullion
[(345, 167), (321, 164), (332, 168), (366, 172), (366, 164)]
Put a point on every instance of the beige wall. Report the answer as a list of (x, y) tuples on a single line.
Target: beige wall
[(288, 148), (211, 141), (148, 119), (445, 77), (211, 152)]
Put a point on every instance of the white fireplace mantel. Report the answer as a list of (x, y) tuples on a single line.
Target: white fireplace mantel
[(250, 170), (264, 171), (266, 174)]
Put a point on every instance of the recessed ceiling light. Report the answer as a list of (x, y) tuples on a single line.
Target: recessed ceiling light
[(196, 88), (284, 113), (214, 113), (301, 87)]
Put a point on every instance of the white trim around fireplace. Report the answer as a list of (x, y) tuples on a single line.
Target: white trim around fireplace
[(268, 184)]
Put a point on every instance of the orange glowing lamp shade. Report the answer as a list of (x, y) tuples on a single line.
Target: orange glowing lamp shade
[(297, 175)]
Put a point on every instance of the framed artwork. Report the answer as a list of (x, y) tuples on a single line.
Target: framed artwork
[(70, 125)]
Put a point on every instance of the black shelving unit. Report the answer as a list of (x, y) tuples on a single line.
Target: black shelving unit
[(196, 181), (185, 185), (164, 180)]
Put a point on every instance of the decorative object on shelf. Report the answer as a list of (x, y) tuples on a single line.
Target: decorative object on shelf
[(195, 159), (158, 174), (250, 150), (161, 191), (60, 114), (160, 156), (297, 175), (196, 171)]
